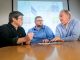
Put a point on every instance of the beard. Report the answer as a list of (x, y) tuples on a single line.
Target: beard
[(39, 26)]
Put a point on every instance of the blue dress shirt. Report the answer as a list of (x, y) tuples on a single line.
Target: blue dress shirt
[(69, 33), (43, 33)]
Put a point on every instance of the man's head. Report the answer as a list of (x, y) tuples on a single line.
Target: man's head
[(16, 17), (64, 16), (38, 21)]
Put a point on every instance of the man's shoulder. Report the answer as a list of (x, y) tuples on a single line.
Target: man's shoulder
[(44, 26), (4, 26), (75, 20), (59, 25), (31, 29)]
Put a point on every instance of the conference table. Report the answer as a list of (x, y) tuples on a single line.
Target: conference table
[(60, 51)]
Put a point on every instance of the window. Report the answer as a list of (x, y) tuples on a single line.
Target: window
[(49, 10)]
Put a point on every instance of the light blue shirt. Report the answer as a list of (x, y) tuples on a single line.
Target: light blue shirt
[(43, 33), (69, 33)]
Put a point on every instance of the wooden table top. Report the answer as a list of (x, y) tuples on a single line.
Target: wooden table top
[(64, 51)]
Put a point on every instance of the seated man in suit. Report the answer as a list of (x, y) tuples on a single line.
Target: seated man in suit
[(68, 29), (12, 33), (41, 33)]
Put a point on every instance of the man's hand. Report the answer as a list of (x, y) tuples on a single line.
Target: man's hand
[(29, 37), (21, 40), (57, 39)]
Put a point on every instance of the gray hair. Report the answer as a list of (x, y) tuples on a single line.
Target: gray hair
[(66, 11)]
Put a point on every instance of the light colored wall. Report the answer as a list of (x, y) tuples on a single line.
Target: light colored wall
[(5, 9), (75, 8)]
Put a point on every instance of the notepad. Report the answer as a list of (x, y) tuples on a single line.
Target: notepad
[(50, 43)]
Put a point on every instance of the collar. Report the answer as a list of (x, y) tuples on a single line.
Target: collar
[(35, 28)]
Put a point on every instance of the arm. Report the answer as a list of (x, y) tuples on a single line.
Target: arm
[(6, 39), (57, 35), (29, 36), (57, 32), (49, 33)]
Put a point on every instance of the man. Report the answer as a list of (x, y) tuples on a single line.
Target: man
[(68, 29), (12, 33), (41, 33)]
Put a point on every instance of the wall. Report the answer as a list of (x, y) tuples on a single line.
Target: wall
[(5, 9), (75, 8)]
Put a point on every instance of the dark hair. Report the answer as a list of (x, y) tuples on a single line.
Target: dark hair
[(14, 14), (37, 17)]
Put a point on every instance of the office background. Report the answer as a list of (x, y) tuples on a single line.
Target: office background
[(6, 7)]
